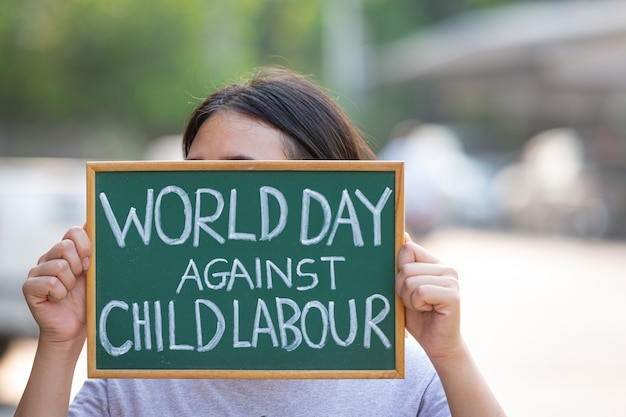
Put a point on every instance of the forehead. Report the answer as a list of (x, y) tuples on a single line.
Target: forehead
[(231, 135)]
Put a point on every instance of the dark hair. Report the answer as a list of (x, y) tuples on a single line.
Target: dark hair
[(314, 124)]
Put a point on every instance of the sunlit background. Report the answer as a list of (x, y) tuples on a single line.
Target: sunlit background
[(510, 115)]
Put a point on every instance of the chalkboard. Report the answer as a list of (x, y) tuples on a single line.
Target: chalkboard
[(245, 269)]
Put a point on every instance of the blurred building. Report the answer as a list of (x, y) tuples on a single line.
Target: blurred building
[(443, 185), (562, 61), (552, 189), (516, 71)]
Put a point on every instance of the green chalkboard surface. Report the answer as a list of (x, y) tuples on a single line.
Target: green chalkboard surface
[(245, 269)]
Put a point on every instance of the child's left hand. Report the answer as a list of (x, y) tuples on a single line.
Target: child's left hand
[(430, 293)]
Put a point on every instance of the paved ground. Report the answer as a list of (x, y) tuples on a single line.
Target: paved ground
[(545, 318)]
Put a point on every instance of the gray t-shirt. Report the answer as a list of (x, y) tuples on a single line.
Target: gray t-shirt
[(419, 394)]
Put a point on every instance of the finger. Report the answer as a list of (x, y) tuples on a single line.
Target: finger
[(63, 251), (433, 298), (428, 273), (81, 240), (417, 268), (75, 248), (406, 288), (58, 269), (416, 281), (44, 288), (415, 260), (412, 252)]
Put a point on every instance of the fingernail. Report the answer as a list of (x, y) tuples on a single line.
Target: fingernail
[(86, 263)]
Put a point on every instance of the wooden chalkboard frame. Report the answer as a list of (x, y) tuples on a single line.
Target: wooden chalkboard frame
[(94, 168)]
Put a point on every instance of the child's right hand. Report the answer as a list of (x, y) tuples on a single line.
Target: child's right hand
[(55, 290)]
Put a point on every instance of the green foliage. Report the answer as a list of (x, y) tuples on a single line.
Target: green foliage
[(89, 60), (244, 34), (138, 66)]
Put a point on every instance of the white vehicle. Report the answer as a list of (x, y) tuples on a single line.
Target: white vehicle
[(40, 198)]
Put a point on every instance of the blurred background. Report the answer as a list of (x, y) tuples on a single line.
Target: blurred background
[(510, 116)]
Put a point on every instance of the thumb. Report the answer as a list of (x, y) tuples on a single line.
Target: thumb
[(412, 252), (406, 254)]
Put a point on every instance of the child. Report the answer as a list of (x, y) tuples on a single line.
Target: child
[(278, 115)]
